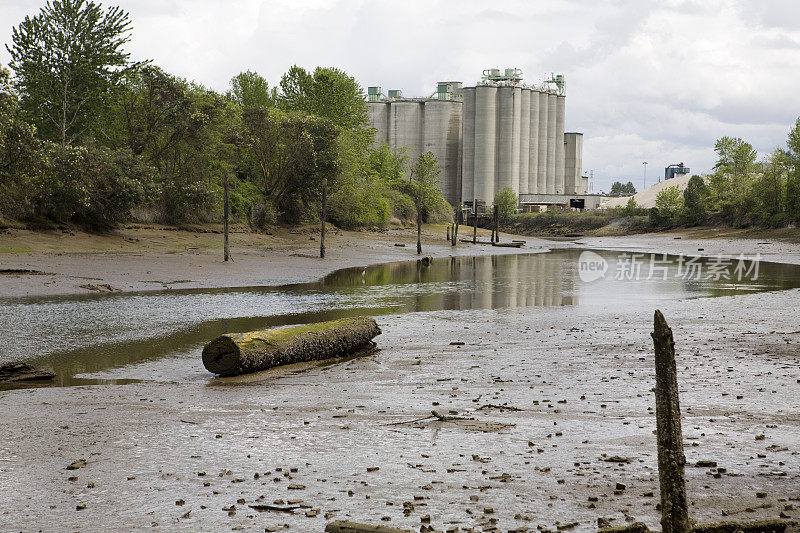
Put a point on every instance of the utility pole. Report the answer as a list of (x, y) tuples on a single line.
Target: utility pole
[(644, 183)]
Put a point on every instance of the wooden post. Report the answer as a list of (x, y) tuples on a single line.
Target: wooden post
[(496, 224), (474, 221), (225, 216), (454, 236), (671, 460), (324, 216)]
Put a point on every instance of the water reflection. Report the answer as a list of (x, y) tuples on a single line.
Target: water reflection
[(84, 334)]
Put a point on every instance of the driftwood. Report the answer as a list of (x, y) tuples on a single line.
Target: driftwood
[(241, 353), (22, 372)]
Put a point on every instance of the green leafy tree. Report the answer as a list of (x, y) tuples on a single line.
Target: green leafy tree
[(793, 173), (619, 189), (424, 186), (327, 92), (506, 201), (732, 176), (68, 60), (20, 153), (251, 91), (669, 201), (695, 201)]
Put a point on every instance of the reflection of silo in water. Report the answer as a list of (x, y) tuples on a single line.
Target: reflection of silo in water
[(513, 285)]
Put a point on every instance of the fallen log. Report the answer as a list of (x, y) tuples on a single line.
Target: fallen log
[(241, 353), (345, 526), (22, 372)]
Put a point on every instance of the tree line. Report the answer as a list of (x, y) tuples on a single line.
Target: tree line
[(740, 191), (89, 136)]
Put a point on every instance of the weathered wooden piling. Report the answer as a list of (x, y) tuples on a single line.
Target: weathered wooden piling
[(241, 353), (671, 459)]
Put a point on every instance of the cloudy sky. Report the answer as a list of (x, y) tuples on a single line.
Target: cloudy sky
[(656, 81)]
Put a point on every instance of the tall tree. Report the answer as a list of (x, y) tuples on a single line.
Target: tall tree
[(251, 91), (67, 60), (793, 173), (329, 93), (732, 175), (695, 201)]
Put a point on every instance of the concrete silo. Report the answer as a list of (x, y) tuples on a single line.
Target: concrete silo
[(441, 135), (541, 178), (524, 139), (505, 139), (485, 141), (468, 148), (516, 128), (379, 119), (573, 160), (533, 144), (406, 125), (551, 142), (560, 105)]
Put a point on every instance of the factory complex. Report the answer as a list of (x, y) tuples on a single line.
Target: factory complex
[(498, 133)]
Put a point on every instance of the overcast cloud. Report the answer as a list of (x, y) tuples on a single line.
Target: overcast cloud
[(656, 81)]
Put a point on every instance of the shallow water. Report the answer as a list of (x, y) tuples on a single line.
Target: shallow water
[(81, 335)]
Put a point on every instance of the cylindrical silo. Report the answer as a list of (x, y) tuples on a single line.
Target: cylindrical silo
[(468, 149), (515, 134), (533, 145), (541, 177), (505, 138), (441, 136), (560, 181), (524, 138), (379, 119), (485, 133), (406, 124), (551, 142)]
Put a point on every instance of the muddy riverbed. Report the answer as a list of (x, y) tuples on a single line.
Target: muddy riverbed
[(542, 383)]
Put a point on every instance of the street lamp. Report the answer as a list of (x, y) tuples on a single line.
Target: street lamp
[(644, 183)]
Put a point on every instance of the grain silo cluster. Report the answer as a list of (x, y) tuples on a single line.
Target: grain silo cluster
[(498, 133)]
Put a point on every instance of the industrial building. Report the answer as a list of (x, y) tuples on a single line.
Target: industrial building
[(498, 133)]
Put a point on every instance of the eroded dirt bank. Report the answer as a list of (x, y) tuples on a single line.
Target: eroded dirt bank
[(336, 440)]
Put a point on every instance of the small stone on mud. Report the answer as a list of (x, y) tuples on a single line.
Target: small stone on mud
[(80, 463)]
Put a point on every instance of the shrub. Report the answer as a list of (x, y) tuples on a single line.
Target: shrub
[(506, 201), (355, 205)]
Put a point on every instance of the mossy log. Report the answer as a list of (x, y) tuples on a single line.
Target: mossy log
[(241, 353), (344, 526), (22, 372)]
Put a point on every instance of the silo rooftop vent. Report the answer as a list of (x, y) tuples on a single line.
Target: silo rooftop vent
[(512, 75)]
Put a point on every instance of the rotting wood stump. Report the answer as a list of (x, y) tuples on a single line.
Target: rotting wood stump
[(671, 459), (233, 354)]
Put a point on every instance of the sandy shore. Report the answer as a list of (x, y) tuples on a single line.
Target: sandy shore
[(544, 397)]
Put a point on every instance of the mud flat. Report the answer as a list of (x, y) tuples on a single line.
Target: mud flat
[(544, 418), (145, 258)]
